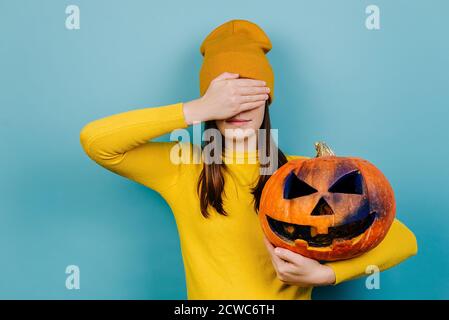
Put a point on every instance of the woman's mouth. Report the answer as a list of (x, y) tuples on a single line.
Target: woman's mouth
[(237, 122)]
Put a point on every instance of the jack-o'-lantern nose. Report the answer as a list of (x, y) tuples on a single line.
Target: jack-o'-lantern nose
[(322, 208)]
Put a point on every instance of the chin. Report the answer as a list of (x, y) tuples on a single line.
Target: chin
[(241, 136)]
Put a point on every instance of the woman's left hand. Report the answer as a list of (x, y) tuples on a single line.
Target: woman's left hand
[(295, 269)]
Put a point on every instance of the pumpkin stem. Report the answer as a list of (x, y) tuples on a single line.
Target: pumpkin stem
[(322, 149)]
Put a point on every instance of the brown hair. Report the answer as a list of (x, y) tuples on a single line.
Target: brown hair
[(210, 186)]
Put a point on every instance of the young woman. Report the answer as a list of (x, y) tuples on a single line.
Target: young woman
[(225, 253)]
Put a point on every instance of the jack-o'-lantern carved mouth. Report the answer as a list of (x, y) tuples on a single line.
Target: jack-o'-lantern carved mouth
[(291, 232)]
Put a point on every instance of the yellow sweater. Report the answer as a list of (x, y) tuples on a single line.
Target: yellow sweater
[(224, 257)]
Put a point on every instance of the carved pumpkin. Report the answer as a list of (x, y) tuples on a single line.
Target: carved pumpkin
[(327, 208)]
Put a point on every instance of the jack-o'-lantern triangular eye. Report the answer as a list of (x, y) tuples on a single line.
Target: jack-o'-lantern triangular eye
[(295, 187), (351, 183)]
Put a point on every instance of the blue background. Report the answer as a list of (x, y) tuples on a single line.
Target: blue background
[(382, 95)]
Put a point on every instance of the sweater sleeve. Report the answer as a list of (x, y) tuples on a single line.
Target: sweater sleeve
[(120, 143), (398, 245)]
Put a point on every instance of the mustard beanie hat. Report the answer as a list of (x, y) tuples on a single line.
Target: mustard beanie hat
[(237, 46)]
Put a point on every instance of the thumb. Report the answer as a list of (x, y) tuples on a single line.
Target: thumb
[(227, 75), (288, 255)]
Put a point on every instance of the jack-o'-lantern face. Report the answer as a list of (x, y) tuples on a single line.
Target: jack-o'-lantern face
[(327, 208)]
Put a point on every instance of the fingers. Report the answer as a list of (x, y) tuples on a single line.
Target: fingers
[(249, 83), (271, 248), (286, 255), (245, 91), (251, 105), (226, 75), (240, 82), (253, 98), (289, 267), (277, 262)]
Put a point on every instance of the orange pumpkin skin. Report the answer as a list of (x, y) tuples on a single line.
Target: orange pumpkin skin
[(366, 212)]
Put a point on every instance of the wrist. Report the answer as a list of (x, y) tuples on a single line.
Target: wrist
[(194, 111), (328, 275)]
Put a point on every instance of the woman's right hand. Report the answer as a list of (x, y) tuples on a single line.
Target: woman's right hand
[(226, 96)]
